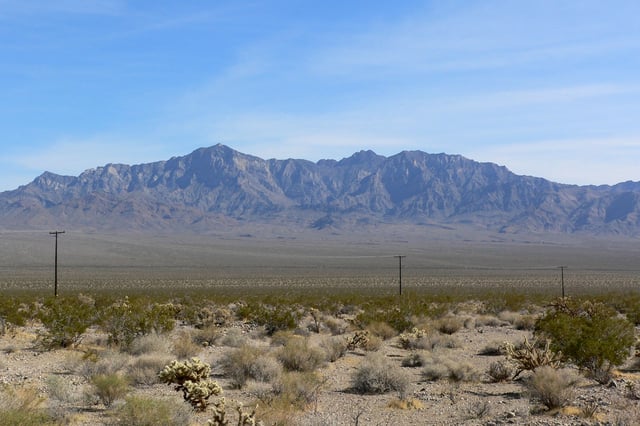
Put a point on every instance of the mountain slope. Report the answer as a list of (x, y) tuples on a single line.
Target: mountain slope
[(218, 186)]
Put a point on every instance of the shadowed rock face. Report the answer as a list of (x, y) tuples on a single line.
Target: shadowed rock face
[(217, 184)]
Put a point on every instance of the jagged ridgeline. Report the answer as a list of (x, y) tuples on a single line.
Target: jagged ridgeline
[(219, 187)]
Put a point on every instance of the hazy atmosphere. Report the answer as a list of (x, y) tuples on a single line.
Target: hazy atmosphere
[(545, 88)]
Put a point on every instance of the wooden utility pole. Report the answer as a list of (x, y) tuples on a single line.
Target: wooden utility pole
[(55, 273), (400, 273), (562, 278)]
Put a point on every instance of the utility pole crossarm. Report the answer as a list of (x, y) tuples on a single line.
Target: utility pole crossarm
[(55, 273)]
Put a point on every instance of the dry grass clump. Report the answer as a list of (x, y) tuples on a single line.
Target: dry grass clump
[(334, 347), (489, 321), (376, 374), (249, 362), (207, 335), (103, 362), (22, 406), (414, 359), (449, 324), (382, 330), (337, 326), (143, 370), (494, 348), (406, 404), (234, 338), (553, 388), (295, 389), (184, 347), (298, 355), (150, 343), (499, 371), (518, 320), (440, 367), (149, 411)]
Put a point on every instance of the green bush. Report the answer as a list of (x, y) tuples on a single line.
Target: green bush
[(273, 318), (109, 387), (127, 319), (65, 320), (589, 334)]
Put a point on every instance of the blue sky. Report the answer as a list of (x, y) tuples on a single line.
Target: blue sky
[(546, 88)]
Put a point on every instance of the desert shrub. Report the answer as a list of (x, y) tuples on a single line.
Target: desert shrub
[(438, 368), (184, 346), (60, 389), (414, 359), (298, 355), (249, 362), (207, 336), (529, 356), (150, 343), (296, 389), (335, 347), (336, 326), (12, 313), (449, 324), (143, 370), (553, 388), (147, 411), (488, 321), (493, 349), (526, 322), (126, 319), (415, 339), (589, 334), (192, 379), (273, 318), (382, 330), (102, 363), (22, 406), (376, 375), (109, 387), (395, 317), (65, 320), (499, 371), (234, 338)]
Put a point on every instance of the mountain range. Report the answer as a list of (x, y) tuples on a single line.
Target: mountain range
[(217, 187)]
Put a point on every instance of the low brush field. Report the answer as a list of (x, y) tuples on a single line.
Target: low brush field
[(299, 333)]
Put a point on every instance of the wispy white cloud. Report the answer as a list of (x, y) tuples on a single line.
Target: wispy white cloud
[(605, 160)]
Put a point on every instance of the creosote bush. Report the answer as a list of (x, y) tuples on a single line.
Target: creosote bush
[(65, 320), (192, 379), (109, 387), (589, 334)]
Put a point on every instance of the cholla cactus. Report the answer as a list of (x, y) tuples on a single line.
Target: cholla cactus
[(531, 356), (359, 340), (406, 339), (244, 418), (192, 378)]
